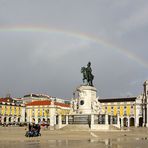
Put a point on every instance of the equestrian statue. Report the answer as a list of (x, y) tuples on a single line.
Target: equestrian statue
[(87, 74)]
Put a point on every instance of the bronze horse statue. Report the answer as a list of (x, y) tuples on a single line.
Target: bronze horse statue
[(87, 75)]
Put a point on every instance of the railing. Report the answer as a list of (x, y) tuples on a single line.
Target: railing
[(79, 119), (99, 119)]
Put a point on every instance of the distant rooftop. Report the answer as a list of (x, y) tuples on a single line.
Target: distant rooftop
[(125, 99), (46, 102), (37, 95), (6, 100)]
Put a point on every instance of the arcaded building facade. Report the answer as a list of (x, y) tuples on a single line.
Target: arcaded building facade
[(45, 110), (10, 112), (128, 110), (132, 111)]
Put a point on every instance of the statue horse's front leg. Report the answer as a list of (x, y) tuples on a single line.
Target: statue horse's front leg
[(90, 83)]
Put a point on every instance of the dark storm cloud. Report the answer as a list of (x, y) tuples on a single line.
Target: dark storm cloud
[(45, 62)]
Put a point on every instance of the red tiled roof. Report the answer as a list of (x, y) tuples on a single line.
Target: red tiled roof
[(62, 104), (39, 103), (4, 100), (46, 102)]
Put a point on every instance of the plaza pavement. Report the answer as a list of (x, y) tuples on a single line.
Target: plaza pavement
[(131, 138), (17, 133)]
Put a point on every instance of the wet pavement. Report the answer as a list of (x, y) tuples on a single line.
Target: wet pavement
[(14, 138), (93, 143)]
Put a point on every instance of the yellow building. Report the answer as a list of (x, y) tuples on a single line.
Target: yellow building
[(10, 113), (127, 109), (45, 110)]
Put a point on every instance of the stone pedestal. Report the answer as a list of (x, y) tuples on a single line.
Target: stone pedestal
[(86, 97)]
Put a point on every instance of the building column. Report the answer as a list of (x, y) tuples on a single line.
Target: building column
[(55, 120), (12, 119), (59, 121), (22, 115), (118, 120), (145, 85), (128, 121), (111, 119), (143, 116), (147, 115), (52, 117), (139, 109), (106, 119), (3, 119), (66, 119), (136, 121), (92, 121), (17, 119), (121, 122), (52, 121)]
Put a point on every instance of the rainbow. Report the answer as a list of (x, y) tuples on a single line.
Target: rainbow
[(88, 37)]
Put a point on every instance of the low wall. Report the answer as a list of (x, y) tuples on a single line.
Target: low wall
[(99, 127)]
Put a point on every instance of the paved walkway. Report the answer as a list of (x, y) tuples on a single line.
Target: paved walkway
[(13, 133)]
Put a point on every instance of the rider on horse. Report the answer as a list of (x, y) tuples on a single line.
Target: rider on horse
[(87, 74)]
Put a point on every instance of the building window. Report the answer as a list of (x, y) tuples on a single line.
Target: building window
[(81, 102)]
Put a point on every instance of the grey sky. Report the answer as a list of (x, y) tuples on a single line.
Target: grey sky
[(44, 44)]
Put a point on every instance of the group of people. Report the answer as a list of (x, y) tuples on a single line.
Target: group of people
[(34, 127), (33, 130)]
